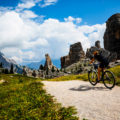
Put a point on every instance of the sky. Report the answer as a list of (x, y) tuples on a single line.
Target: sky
[(31, 28)]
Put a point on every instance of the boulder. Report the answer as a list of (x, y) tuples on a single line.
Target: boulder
[(112, 34), (76, 53)]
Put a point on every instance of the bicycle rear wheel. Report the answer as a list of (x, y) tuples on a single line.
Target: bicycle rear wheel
[(92, 76), (109, 79)]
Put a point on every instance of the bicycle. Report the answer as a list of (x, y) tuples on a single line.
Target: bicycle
[(107, 77)]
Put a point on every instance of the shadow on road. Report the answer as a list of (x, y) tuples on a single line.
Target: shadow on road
[(87, 87)]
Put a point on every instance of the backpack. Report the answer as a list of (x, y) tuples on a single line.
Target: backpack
[(108, 55)]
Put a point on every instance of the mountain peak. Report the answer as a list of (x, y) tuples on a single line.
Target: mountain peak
[(1, 54)]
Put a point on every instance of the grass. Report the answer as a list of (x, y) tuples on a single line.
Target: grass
[(23, 98), (84, 77), (70, 77), (116, 71)]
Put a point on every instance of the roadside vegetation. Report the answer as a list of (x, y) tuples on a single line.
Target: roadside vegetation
[(116, 71), (23, 98)]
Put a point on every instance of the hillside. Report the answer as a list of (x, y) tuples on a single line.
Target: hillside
[(23, 98)]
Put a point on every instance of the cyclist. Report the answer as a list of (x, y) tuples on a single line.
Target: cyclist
[(100, 58)]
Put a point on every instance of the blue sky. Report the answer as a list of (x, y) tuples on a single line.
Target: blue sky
[(92, 11), (36, 27)]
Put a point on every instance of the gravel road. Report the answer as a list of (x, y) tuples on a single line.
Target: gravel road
[(92, 103)]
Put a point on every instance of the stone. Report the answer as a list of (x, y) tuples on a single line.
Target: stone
[(27, 71), (89, 52), (48, 62), (76, 53), (112, 34), (35, 73), (65, 61), (97, 44)]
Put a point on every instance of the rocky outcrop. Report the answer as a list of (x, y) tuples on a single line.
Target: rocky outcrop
[(89, 52), (112, 34), (97, 44), (76, 53), (48, 62), (46, 71), (27, 71), (65, 61), (78, 67)]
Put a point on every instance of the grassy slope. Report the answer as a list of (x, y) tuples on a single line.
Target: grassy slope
[(115, 70), (23, 98)]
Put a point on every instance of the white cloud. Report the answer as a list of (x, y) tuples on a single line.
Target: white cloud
[(48, 2), (5, 9), (28, 14), (27, 4), (78, 20), (94, 32), (25, 40), (72, 19)]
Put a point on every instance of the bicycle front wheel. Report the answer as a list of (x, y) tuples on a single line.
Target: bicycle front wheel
[(92, 76), (109, 79)]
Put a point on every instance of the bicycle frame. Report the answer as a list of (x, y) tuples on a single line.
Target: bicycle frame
[(97, 72)]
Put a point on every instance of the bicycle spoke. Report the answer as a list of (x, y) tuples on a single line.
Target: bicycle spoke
[(92, 77), (109, 80)]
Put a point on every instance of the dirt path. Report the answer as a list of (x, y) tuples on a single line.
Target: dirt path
[(93, 103)]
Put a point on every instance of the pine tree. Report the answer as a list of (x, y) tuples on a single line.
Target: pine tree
[(11, 69), (41, 67), (1, 65)]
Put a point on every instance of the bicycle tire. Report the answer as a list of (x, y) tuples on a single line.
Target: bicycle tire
[(109, 81), (93, 82)]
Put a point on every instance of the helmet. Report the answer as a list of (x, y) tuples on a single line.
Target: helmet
[(93, 50)]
